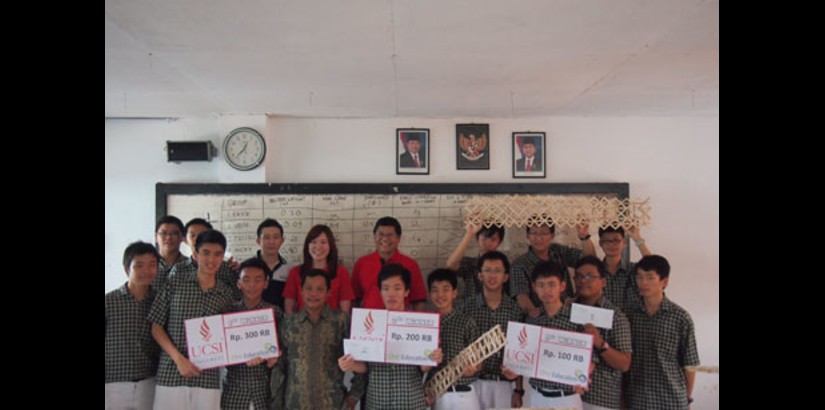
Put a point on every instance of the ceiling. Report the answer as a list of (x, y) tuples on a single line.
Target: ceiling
[(406, 58)]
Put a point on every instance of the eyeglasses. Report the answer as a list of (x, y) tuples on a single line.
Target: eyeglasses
[(492, 271), (164, 234), (587, 277), (610, 241), (541, 233)]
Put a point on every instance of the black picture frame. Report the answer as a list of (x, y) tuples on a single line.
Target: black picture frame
[(472, 146), (535, 167), (405, 163)]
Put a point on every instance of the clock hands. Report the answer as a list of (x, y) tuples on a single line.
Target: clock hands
[(244, 148)]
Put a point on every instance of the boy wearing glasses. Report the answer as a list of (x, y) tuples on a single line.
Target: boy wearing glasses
[(664, 343), (168, 237), (542, 249), (621, 284), (488, 240), (489, 308), (612, 348), (387, 233)]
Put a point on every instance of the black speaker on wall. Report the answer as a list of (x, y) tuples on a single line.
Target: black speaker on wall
[(177, 151)]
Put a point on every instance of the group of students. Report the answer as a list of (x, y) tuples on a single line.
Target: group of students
[(645, 361)]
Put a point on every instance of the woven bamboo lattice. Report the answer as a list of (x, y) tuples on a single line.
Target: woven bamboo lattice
[(563, 211), (485, 346)]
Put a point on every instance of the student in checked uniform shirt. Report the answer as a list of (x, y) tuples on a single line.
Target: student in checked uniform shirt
[(246, 385), (189, 295), (457, 332), (392, 386), (131, 353), (612, 348), (548, 283)]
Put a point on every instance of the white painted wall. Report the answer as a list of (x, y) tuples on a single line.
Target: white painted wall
[(673, 161), (136, 160)]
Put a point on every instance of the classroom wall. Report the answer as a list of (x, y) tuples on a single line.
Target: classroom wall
[(672, 161), (136, 160)]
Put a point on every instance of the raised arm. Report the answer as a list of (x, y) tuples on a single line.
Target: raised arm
[(583, 231), (634, 233), (454, 260)]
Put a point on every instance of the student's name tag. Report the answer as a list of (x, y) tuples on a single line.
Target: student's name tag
[(222, 340), (583, 314)]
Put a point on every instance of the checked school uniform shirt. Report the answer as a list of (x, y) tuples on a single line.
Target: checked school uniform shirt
[(182, 299), (131, 352), (523, 266), (663, 344), (245, 384)]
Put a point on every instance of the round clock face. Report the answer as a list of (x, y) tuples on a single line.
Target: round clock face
[(244, 149)]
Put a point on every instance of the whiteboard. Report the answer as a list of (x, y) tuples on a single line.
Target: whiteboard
[(431, 215)]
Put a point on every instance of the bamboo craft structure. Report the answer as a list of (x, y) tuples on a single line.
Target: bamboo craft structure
[(569, 211), (485, 346)]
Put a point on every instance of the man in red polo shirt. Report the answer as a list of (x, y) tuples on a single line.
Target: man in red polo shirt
[(387, 232)]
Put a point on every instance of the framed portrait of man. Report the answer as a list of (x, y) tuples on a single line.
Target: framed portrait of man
[(528, 155), (472, 146), (412, 146)]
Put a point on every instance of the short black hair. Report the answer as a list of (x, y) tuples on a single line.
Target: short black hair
[(173, 220), (443, 275), (269, 223), (490, 231), (609, 229), (546, 270), (196, 221), (394, 269), (253, 263), (313, 273), (210, 236), (493, 256), (388, 221), (592, 260), (413, 137), (654, 263), (135, 249)]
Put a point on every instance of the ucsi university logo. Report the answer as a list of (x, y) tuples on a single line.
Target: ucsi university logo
[(519, 355), (208, 348), (205, 332), (368, 324)]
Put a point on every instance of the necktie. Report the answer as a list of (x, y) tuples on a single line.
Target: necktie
[(529, 165), (417, 164)]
